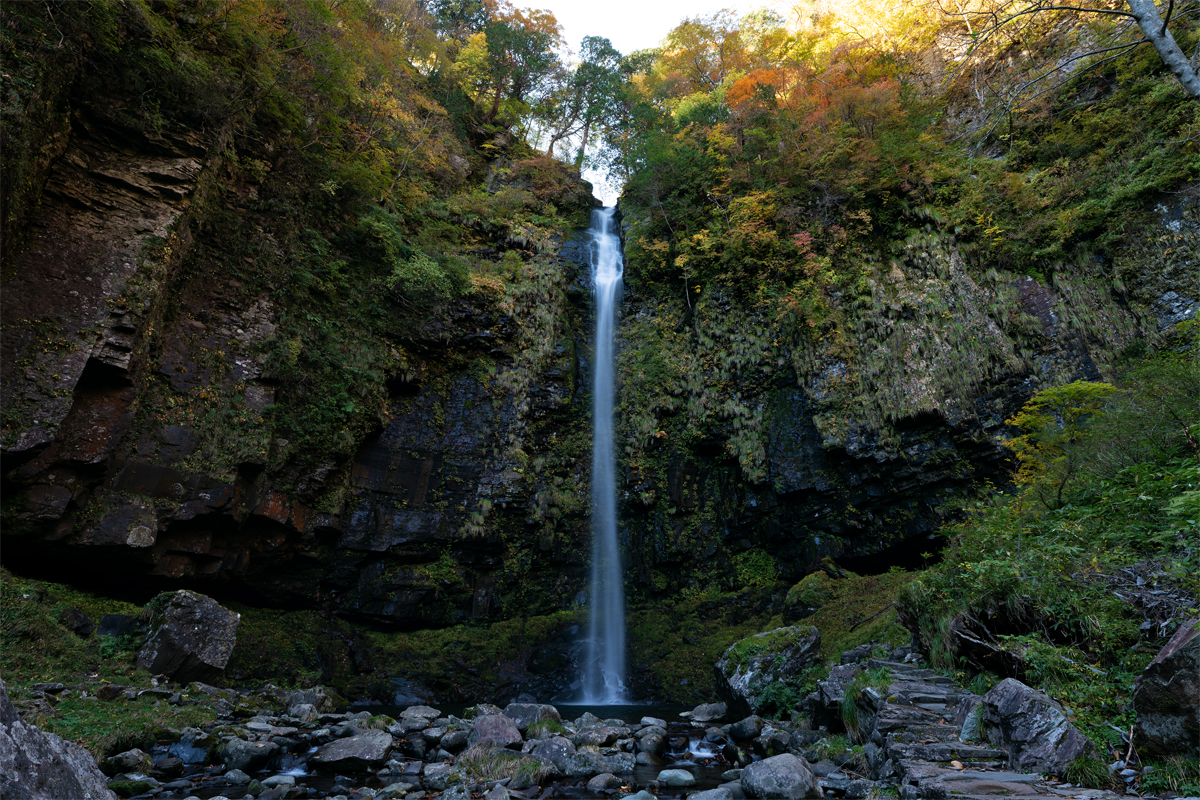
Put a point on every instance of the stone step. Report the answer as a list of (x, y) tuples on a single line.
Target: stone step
[(944, 751), (936, 733), (898, 713)]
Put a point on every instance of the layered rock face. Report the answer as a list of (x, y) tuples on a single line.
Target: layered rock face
[(860, 438), (143, 434)]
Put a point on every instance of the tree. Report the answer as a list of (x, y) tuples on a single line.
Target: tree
[(1052, 425), (586, 96), (520, 53), (988, 23)]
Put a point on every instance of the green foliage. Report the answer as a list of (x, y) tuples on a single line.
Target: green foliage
[(111, 727), (38, 646), (1089, 771), (1052, 423), (677, 644), (852, 610), (755, 567), (115, 646), (1038, 579), (1179, 774), (877, 679)]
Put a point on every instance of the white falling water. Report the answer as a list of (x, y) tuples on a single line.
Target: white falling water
[(604, 671)]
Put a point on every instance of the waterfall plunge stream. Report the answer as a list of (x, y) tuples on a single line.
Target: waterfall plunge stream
[(604, 670)]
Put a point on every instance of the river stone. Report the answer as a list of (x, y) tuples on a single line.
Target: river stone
[(748, 728), (455, 741), (557, 751), (602, 736), (438, 777), (194, 746), (751, 666), (587, 763), (367, 750), (525, 714), (130, 761), (35, 765), (237, 777), (676, 777), (495, 793), (648, 759), (278, 780), (720, 793), (247, 756), (482, 710), (1032, 728), (315, 697), (497, 728), (654, 744), (191, 637), (710, 712), (1166, 697), (603, 782), (420, 712), (654, 722), (642, 795), (305, 712), (782, 777)]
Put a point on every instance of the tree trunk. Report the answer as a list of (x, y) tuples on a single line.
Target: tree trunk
[(1146, 14), (587, 131)]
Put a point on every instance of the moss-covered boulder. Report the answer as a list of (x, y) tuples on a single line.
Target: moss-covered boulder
[(763, 673)]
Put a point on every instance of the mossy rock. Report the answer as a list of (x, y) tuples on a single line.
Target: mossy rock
[(130, 788)]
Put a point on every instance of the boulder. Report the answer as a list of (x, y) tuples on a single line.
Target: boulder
[(710, 712), (525, 714), (130, 761), (247, 756), (676, 777), (824, 706), (194, 746), (35, 765), (601, 736), (314, 697), (720, 793), (455, 741), (498, 728), (425, 713), (603, 782), (1166, 697), (653, 744), (1031, 728), (191, 637), (367, 750), (753, 665), (782, 777), (438, 777), (587, 763), (557, 751), (748, 728)]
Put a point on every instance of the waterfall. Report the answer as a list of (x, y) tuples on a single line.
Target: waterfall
[(604, 670)]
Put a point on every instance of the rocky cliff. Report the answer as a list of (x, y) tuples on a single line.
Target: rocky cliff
[(218, 372)]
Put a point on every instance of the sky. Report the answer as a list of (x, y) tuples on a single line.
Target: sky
[(634, 25)]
